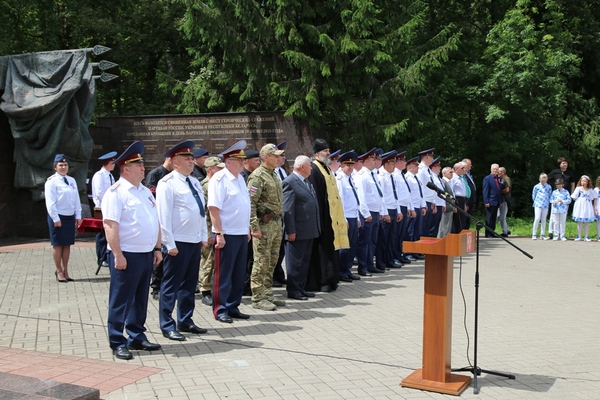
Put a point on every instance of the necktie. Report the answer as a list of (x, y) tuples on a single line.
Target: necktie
[(407, 185), (65, 180), (393, 186), (467, 187), (196, 196), (280, 174), (419, 185), (376, 185), (112, 180), (353, 190)]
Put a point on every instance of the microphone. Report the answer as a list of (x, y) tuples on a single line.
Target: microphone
[(439, 191)]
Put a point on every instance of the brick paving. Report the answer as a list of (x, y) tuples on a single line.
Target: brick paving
[(538, 319)]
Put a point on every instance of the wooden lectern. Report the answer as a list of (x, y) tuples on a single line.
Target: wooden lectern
[(435, 376)]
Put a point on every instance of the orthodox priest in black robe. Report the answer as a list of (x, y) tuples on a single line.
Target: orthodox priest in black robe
[(324, 270)]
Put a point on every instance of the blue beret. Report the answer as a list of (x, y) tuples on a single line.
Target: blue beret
[(252, 154), (282, 145)]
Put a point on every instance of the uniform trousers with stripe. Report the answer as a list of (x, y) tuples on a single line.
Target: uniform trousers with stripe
[(229, 275)]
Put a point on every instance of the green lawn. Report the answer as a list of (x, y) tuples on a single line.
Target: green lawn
[(523, 227)]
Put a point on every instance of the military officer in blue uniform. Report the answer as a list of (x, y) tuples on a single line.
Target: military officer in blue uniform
[(101, 181), (133, 236), (229, 206), (179, 198)]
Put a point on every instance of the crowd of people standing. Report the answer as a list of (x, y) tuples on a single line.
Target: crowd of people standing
[(220, 226)]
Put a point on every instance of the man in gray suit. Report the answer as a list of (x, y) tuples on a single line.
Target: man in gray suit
[(301, 225)]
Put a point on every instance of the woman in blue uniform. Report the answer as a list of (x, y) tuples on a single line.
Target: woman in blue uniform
[(64, 213)]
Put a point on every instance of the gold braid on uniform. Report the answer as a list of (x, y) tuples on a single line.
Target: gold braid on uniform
[(336, 210)]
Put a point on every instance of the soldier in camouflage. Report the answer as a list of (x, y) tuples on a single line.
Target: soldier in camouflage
[(266, 201), (207, 260)]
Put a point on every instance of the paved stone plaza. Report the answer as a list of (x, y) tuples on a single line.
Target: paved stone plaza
[(538, 319)]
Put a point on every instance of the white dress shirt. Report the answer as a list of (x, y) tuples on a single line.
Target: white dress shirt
[(134, 209), (425, 175), (458, 186), (101, 181), (62, 198), (349, 201), (368, 195), (404, 198), (178, 212), (390, 192), (418, 201), (231, 196)]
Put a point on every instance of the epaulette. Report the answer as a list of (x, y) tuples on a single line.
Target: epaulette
[(115, 185), (218, 177), (167, 178)]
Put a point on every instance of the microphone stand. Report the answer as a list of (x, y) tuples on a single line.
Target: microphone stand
[(475, 370)]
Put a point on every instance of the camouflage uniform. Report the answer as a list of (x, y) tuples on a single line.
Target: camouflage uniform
[(207, 261), (266, 200)]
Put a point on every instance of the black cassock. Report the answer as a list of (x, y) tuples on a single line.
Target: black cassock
[(324, 262)]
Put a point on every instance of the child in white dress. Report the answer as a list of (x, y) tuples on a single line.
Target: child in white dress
[(560, 201), (584, 210)]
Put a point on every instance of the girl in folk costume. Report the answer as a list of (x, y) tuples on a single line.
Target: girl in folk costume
[(560, 201), (584, 211), (541, 200)]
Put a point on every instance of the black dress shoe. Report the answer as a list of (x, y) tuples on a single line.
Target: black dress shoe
[(277, 284), (155, 295), (346, 279), (144, 345), (192, 329), (122, 353), (377, 271), (308, 294), (395, 265), (226, 319), (354, 277), (239, 315), (420, 256), (174, 335), (70, 279), (404, 260), (297, 297), (364, 273)]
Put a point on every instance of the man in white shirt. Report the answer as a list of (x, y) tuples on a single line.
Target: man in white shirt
[(179, 198), (388, 226), (133, 236), (350, 202), (406, 207), (229, 207), (101, 181), (425, 175), (439, 202), (413, 230), (371, 209)]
